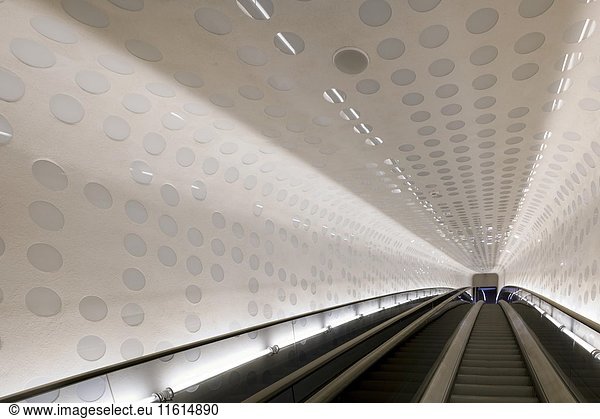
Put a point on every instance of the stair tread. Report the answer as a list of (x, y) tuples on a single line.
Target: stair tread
[(491, 399), (493, 390)]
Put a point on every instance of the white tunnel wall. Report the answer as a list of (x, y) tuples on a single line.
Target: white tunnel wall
[(553, 248), (218, 229)]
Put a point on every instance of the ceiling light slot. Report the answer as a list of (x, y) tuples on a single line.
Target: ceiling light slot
[(374, 141), (256, 9), (363, 128), (334, 95), (350, 114)]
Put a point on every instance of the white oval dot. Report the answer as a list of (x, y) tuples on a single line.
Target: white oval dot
[(423, 5), (154, 143), (50, 175), (213, 21), (44, 257), (43, 302), (534, 8), (195, 108), (93, 308), (218, 220), (91, 348), (375, 12), (185, 157), (161, 90), (141, 172), (167, 256), (132, 314), (66, 109), (189, 79), (116, 64), (91, 390), (232, 175), (129, 5), (54, 29), (251, 92), (199, 190), (6, 131), (143, 50), (173, 121), (194, 265), (86, 13), (116, 128), (136, 211), (92, 82), (192, 323), (136, 103), (434, 36), (98, 195), (210, 166), (134, 279), (46, 215), (217, 273), (135, 245), (391, 48), (193, 294), (482, 20), (32, 53), (195, 237), (170, 195), (368, 86), (168, 225), (12, 87), (132, 348), (403, 77)]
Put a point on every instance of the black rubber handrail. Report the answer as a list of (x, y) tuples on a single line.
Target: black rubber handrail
[(583, 320), (64, 382)]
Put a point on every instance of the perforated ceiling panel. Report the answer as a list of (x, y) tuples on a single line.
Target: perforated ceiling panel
[(179, 169)]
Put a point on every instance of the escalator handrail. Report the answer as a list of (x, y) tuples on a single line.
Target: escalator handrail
[(550, 386), (338, 384), (440, 385), (87, 375), (581, 319), (281, 385)]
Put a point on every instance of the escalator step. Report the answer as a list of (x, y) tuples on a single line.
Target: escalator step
[(495, 363), (493, 390), (497, 356), (493, 371), (493, 380), (489, 399)]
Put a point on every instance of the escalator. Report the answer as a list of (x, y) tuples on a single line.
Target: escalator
[(398, 376), (492, 369), (457, 352), (580, 369)]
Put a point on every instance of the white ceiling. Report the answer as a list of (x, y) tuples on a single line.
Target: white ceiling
[(464, 96)]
